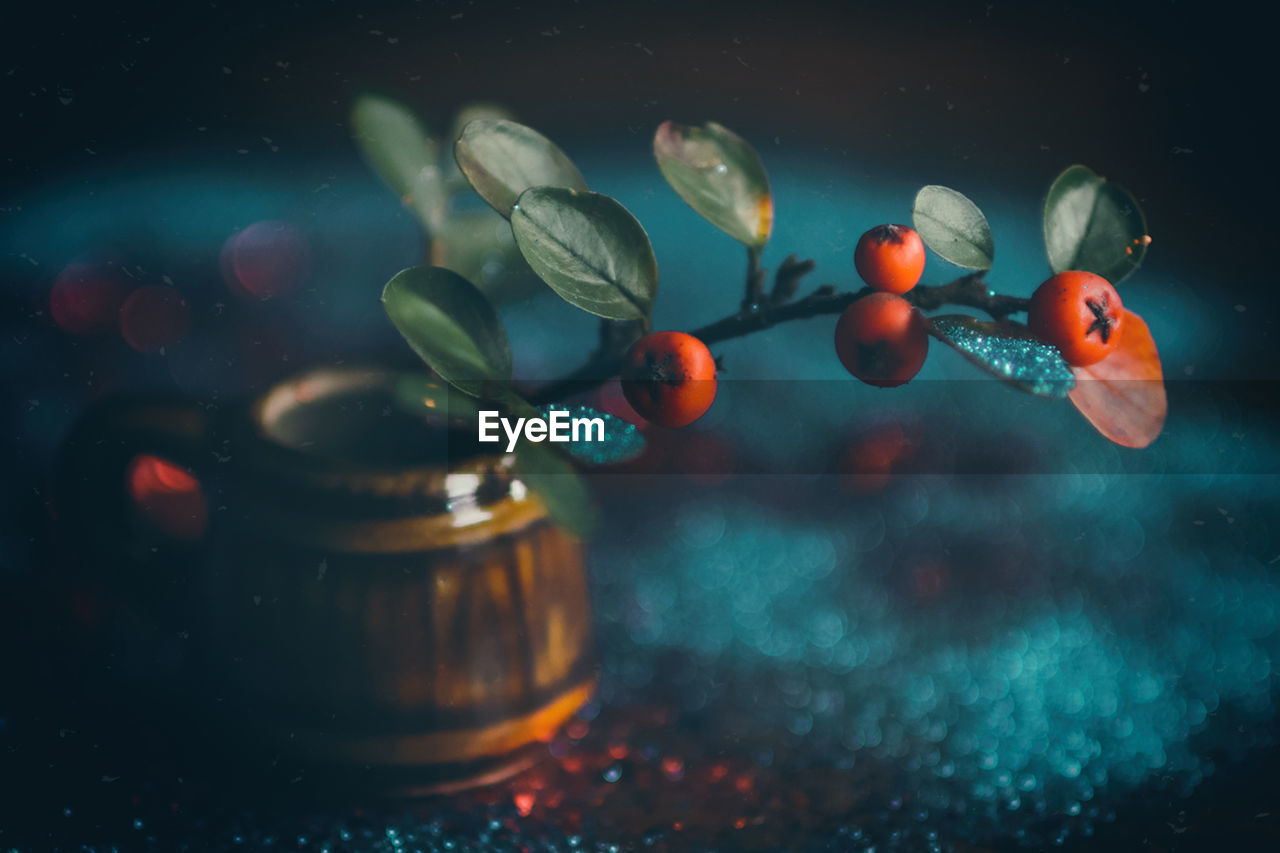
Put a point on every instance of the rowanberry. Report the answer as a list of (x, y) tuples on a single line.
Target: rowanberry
[(881, 339), (890, 258), (669, 378), (1079, 313)]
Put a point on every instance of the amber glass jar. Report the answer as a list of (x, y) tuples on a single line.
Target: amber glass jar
[(363, 588)]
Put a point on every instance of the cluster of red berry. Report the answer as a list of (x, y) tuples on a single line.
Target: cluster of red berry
[(669, 378), (881, 338)]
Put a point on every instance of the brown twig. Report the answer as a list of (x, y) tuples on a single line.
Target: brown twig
[(787, 279), (754, 293), (969, 290)]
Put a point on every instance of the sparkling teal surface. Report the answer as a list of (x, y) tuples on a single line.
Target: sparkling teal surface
[(1023, 362), (622, 441), (1024, 652)]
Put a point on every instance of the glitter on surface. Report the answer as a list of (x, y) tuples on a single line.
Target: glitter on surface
[(622, 441), (1020, 697), (1018, 359)]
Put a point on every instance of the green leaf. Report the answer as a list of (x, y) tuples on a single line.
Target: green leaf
[(451, 325), (423, 395), (453, 176), (954, 227), (502, 159), (720, 176), (553, 478), (402, 152), (478, 245), (1093, 225), (1008, 352), (475, 112), (589, 249), (513, 405)]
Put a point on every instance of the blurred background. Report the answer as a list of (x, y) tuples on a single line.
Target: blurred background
[(182, 207)]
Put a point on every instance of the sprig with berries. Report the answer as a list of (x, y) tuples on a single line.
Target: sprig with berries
[(1079, 341)]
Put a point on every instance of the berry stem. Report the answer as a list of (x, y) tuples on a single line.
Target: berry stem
[(754, 292), (969, 290)]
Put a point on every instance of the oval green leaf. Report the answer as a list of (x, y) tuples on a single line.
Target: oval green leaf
[(954, 227), (589, 249), (478, 245), (451, 326), (453, 176), (720, 176), (425, 396), (502, 159), (1093, 225), (475, 112), (556, 482), (402, 152), (1008, 352)]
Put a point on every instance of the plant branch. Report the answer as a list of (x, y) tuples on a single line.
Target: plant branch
[(969, 290), (787, 280), (755, 280)]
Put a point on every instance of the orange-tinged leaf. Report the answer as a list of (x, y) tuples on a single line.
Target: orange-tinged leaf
[(720, 176), (1123, 395)]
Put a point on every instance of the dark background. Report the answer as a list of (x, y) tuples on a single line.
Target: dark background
[(1171, 97)]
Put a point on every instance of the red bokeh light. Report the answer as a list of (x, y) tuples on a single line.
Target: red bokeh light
[(86, 299), (154, 317), (705, 458), (265, 260), (167, 496), (610, 399), (929, 579), (871, 460), (86, 604)]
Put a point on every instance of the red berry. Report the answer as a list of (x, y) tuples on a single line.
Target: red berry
[(881, 339), (890, 258), (669, 378), (86, 299), (154, 317), (1079, 313)]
